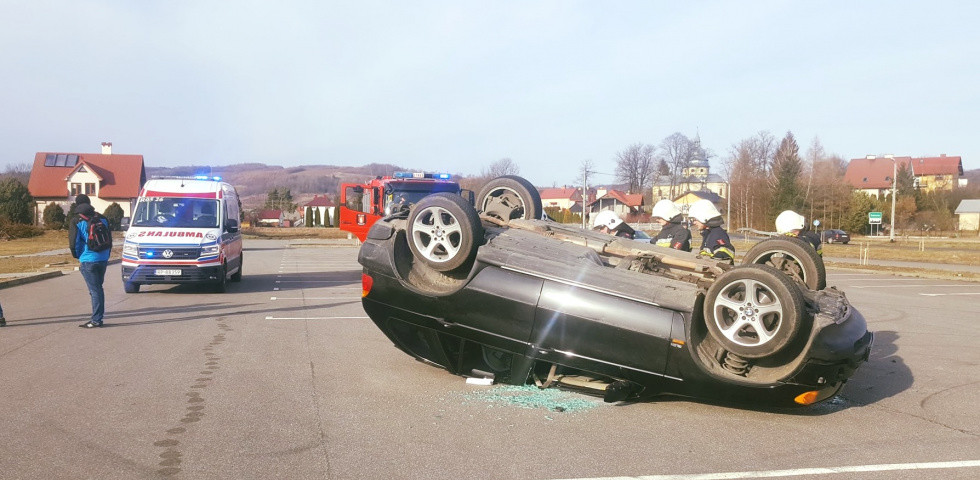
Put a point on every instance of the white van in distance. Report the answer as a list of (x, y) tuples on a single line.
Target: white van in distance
[(184, 230)]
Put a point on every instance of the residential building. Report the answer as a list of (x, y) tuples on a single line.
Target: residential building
[(968, 212), (873, 174), (326, 208), (624, 204), (106, 178), (562, 197), (270, 218)]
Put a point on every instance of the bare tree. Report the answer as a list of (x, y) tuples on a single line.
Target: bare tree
[(747, 167), (504, 166), (677, 151), (635, 166)]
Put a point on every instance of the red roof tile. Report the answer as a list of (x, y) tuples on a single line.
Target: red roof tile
[(562, 193), (872, 173), (630, 200), (320, 201), (270, 214), (122, 175), (876, 173)]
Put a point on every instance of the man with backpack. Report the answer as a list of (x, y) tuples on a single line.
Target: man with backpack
[(90, 241)]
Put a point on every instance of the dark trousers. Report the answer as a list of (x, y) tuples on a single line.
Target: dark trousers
[(94, 275)]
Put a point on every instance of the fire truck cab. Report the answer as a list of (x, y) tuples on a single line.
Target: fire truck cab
[(363, 204)]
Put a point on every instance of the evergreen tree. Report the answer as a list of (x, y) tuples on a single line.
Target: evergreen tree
[(784, 182), (114, 214), (54, 217), (309, 217), (16, 202), (316, 217)]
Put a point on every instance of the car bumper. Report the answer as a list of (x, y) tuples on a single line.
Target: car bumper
[(154, 274)]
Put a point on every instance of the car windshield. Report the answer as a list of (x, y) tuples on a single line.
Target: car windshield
[(176, 212)]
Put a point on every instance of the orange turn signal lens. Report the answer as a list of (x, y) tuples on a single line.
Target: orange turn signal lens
[(806, 398), (366, 284)]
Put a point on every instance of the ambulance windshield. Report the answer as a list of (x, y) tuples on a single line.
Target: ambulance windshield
[(176, 212)]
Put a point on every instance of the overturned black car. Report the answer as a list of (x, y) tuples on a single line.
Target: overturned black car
[(491, 291)]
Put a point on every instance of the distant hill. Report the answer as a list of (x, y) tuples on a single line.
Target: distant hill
[(254, 180)]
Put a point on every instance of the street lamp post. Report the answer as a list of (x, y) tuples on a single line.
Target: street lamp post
[(891, 231)]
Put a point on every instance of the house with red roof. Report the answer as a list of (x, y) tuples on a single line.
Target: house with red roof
[(620, 202), (270, 218), (562, 197), (873, 174), (326, 208), (105, 177)]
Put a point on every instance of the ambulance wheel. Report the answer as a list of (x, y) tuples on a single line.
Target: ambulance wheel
[(237, 276), (221, 285), (131, 287)]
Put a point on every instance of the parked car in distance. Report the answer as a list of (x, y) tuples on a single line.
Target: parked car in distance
[(835, 236)]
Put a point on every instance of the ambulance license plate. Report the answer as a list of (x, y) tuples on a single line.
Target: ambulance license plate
[(168, 273)]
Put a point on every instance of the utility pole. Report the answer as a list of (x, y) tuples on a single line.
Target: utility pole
[(891, 231), (585, 195)]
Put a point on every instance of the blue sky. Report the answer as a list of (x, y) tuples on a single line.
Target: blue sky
[(455, 85)]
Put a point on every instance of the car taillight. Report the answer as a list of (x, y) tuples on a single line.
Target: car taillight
[(366, 283)]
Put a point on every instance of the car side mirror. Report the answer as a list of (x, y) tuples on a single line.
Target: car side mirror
[(231, 226)]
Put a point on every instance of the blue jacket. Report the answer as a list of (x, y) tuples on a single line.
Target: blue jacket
[(79, 243)]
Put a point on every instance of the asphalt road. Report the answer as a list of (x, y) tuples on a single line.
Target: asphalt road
[(285, 377)]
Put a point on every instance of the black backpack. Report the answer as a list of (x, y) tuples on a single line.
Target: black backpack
[(99, 236)]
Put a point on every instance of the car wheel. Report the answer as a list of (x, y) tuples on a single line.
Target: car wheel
[(510, 197), (793, 257), (221, 285), (237, 276), (131, 287), (754, 311), (444, 231)]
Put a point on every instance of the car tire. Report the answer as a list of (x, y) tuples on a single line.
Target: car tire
[(444, 231), (221, 285), (792, 256), (237, 276), (754, 311), (130, 287), (510, 197)]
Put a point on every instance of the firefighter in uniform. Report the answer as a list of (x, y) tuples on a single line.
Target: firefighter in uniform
[(715, 242), (793, 224), (672, 233), (607, 221)]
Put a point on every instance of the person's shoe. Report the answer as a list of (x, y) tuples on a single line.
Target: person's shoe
[(3, 322), (91, 324)]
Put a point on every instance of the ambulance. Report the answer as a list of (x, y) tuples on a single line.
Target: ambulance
[(184, 230)]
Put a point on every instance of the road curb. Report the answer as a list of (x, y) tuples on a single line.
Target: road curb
[(29, 279), (37, 277)]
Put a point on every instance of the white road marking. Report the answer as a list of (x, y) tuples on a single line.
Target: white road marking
[(317, 298), (314, 281), (946, 294), (801, 471), (911, 286), (316, 318)]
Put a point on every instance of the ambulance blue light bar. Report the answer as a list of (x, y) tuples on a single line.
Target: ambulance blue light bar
[(440, 176), (205, 177)]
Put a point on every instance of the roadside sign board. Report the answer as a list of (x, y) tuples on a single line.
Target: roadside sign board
[(874, 218)]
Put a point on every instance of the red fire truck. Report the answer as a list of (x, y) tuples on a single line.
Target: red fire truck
[(363, 204)]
